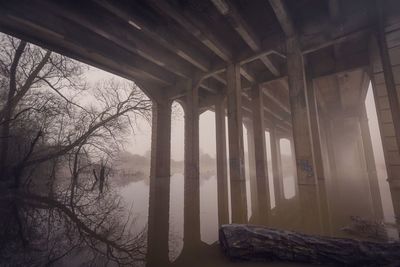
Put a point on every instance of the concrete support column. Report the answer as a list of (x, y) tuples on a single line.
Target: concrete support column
[(293, 154), (317, 151), (392, 156), (370, 164), (300, 119), (161, 139), (254, 218), (191, 165), (388, 112), (314, 126), (330, 148), (158, 220), (275, 160), (306, 171), (236, 152), (260, 153), (222, 178)]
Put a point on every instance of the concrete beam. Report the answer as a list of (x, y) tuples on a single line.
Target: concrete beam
[(195, 27), (278, 102), (283, 17), (24, 18), (158, 33), (320, 41), (121, 34), (228, 10)]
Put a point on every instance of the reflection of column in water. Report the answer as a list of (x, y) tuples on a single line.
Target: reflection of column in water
[(191, 233), (158, 225), (176, 217), (208, 209)]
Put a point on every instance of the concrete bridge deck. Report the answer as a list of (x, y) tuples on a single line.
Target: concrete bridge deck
[(299, 69)]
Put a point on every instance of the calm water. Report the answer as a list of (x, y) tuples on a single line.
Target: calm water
[(346, 198)]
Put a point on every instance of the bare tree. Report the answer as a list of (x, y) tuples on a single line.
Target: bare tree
[(57, 135)]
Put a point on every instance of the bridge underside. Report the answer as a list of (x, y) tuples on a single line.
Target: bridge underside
[(299, 69)]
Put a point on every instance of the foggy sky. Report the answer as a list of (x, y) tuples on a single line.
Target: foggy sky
[(140, 141)]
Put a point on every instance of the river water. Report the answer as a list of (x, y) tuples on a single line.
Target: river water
[(341, 207)]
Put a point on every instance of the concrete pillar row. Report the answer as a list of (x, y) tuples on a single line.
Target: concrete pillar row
[(236, 151), (158, 220), (222, 177)]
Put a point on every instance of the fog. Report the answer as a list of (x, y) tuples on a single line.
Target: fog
[(139, 142), (328, 208)]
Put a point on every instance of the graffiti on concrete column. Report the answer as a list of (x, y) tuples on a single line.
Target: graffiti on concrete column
[(306, 166)]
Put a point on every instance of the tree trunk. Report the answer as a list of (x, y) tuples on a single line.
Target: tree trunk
[(257, 243)]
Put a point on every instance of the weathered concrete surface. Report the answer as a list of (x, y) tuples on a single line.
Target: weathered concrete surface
[(260, 154), (161, 139), (276, 165), (222, 176), (158, 220), (301, 125), (236, 150), (370, 164), (192, 177)]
